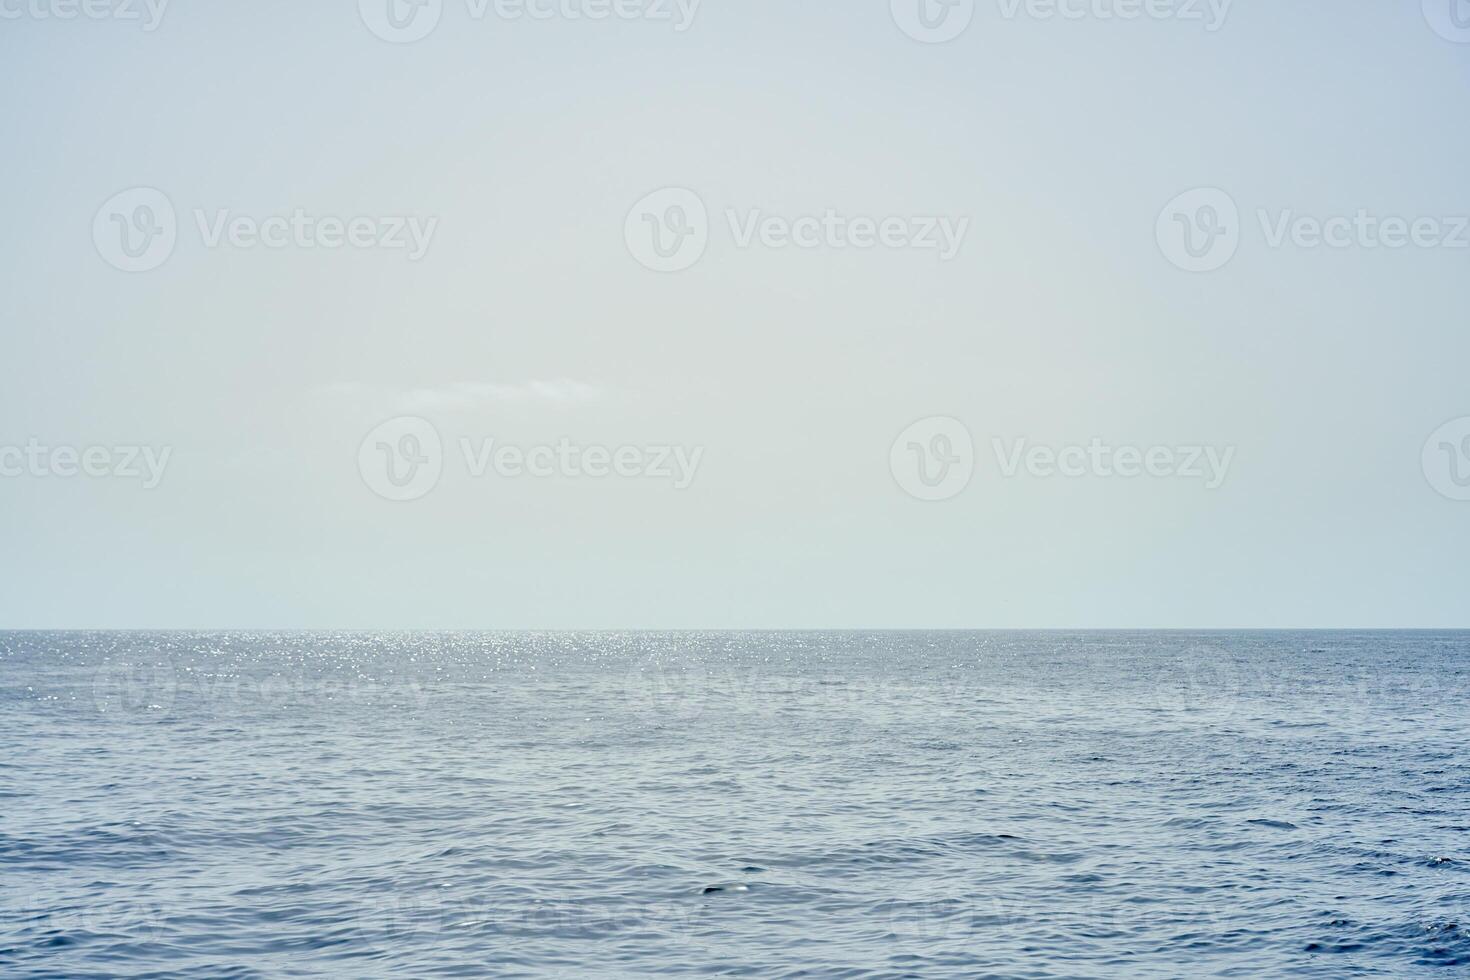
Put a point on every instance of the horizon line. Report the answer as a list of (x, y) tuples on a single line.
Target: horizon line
[(736, 629)]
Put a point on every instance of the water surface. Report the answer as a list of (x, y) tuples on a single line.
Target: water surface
[(760, 804)]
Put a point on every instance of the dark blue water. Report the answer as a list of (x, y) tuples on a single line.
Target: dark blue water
[(759, 804)]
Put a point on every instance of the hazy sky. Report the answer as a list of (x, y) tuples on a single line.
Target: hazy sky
[(526, 313)]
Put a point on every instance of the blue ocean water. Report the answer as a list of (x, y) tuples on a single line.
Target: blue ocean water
[(750, 804)]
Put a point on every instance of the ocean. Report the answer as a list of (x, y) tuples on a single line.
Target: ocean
[(768, 804)]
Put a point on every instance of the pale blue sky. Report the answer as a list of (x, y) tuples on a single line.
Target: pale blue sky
[(1060, 319)]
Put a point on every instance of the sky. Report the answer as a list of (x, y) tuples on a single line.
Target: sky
[(734, 314)]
